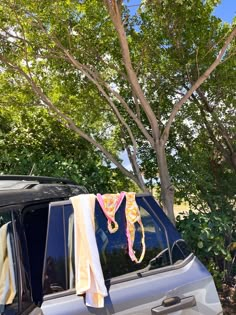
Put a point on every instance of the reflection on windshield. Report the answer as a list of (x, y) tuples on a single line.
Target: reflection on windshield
[(7, 274)]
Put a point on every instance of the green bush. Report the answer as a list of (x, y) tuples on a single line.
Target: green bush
[(212, 238)]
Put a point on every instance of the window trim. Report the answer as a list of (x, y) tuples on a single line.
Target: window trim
[(146, 273), (126, 277)]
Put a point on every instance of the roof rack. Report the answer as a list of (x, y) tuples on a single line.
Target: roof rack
[(40, 179)]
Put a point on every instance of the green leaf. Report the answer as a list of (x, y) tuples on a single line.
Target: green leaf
[(200, 244)]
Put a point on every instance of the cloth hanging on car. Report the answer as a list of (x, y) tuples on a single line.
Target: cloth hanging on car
[(110, 203), (7, 274), (133, 216), (88, 272)]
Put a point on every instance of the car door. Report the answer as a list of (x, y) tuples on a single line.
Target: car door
[(169, 280), (15, 291)]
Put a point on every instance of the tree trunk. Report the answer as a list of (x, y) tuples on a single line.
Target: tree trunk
[(233, 159), (167, 188)]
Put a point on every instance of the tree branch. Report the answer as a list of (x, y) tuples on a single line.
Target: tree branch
[(228, 155), (132, 114), (114, 11), (70, 123), (97, 80), (136, 169), (196, 85), (12, 36), (92, 77)]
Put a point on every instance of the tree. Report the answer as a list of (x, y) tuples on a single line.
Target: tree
[(102, 57), (32, 142)]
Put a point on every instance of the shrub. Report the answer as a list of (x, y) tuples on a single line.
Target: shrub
[(212, 237)]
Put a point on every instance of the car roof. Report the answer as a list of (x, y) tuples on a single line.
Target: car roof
[(20, 189), (25, 189), (39, 179), (13, 184)]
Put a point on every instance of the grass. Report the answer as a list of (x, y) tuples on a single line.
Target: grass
[(183, 207)]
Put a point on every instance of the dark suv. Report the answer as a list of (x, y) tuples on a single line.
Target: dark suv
[(37, 265)]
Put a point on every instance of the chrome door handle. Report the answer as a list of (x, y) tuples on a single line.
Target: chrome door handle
[(174, 304)]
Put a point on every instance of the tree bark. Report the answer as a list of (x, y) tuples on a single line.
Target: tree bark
[(167, 188)]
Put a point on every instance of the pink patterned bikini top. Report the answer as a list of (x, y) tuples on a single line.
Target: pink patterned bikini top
[(110, 204)]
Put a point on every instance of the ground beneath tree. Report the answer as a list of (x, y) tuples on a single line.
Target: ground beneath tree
[(228, 299)]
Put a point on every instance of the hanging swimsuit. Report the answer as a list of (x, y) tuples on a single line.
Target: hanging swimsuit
[(110, 204), (132, 216)]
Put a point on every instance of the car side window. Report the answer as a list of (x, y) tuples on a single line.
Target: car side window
[(59, 269), (113, 248), (23, 263), (164, 245), (179, 250), (54, 276), (8, 272)]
